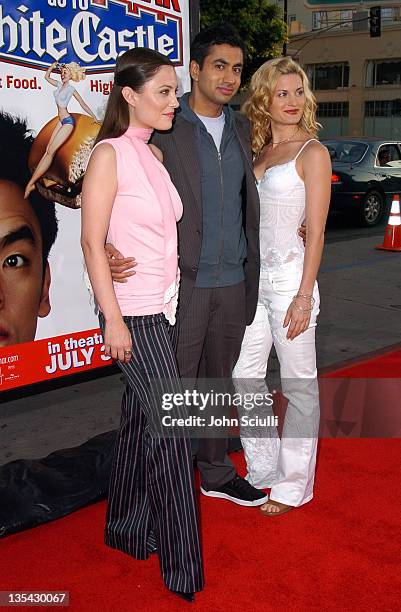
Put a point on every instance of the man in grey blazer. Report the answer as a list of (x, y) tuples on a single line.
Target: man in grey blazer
[(208, 155)]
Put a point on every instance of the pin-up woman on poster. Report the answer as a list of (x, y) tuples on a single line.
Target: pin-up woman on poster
[(64, 128)]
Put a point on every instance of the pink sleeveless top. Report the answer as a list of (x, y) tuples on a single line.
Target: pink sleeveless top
[(143, 225)]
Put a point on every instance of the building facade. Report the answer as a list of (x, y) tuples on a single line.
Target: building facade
[(356, 78)]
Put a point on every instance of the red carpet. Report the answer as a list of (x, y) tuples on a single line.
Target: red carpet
[(384, 365), (361, 398), (339, 552)]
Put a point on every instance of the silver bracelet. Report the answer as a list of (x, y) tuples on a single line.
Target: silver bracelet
[(304, 296)]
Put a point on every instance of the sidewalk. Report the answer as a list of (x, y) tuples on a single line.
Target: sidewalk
[(360, 312)]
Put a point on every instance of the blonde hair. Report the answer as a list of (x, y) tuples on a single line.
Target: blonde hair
[(262, 88), (76, 71)]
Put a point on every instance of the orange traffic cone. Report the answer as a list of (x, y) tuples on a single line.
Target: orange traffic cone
[(392, 235)]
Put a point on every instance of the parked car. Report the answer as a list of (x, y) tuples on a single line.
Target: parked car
[(366, 174)]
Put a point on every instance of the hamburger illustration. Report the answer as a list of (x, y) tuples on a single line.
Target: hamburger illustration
[(62, 182)]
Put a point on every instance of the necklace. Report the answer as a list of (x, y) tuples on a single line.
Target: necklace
[(285, 139)]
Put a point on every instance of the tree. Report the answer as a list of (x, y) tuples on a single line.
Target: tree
[(258, 22)]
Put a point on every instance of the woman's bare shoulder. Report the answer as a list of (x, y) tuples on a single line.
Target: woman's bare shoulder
[(314, 153), (104, 150), (102, 157), (105, 147), (316, 149), (315, 160)]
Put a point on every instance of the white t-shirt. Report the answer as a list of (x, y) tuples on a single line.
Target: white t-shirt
[(215, 127)]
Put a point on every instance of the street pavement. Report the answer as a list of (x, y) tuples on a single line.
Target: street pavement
[(360, 291)]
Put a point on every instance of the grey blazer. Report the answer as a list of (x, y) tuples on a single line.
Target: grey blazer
[(182, 162)]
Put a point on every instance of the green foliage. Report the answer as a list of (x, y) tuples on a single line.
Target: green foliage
[(259, 24)]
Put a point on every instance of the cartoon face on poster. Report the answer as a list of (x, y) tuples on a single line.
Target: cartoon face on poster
[(56, 71)]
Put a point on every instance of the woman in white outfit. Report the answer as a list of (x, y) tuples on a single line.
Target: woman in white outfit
[(294, 174)]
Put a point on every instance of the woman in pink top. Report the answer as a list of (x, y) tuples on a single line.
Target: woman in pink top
[(128, 199)]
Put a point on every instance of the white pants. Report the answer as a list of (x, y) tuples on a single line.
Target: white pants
[(286, 465)]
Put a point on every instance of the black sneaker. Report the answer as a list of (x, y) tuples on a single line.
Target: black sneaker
[(239, 491)]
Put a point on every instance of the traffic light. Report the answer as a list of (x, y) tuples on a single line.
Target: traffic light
[(375, 19)]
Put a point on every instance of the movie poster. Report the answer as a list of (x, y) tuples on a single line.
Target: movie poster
[(56, 66)]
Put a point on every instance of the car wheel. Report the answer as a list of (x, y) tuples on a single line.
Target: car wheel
[(372, 209)]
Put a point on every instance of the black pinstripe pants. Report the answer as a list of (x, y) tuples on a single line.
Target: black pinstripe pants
[(151, 492), (210, 335)]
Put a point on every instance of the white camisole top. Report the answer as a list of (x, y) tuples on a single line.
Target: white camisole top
[(282, 210)]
